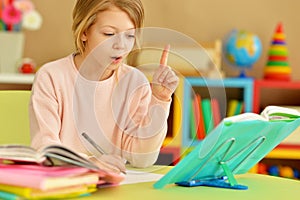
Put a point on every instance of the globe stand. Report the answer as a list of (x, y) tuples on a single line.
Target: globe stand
[(243, 74), (242, 49)]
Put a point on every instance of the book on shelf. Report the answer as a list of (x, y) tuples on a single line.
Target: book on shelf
[(204, 116), (207, 115), (192, 120), (239, 109), (216, 111), (196, 112), (235, 107), (197, 128), (231, 107), (200, 128)]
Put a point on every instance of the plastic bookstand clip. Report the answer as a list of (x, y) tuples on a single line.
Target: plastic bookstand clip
[(227, 181), (222, 181), (216, 182), (230, 149)]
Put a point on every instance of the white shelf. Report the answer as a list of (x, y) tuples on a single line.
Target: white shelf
[(14, 78)]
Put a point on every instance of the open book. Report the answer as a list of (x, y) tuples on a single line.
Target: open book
[(270, 113), (52, 155)]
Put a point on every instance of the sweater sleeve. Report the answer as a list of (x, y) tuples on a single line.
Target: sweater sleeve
[(43, 112), (146, 128)]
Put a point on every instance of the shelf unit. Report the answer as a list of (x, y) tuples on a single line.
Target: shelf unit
[(282, 93), (221, 89), (267, 92), (15, 81), (256, 95)]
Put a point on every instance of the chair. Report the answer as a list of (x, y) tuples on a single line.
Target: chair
[(14, 119)]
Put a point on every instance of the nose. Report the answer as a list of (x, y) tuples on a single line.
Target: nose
[(119, 41)]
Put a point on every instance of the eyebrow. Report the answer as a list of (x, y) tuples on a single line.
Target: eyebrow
[(115, 28)]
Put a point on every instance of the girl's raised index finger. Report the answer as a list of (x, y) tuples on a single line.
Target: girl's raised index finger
[(164, 56)]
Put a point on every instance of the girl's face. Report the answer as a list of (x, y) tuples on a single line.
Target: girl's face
[(112, 35)]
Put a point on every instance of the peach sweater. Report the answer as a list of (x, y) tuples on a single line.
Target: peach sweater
[(120, 114)]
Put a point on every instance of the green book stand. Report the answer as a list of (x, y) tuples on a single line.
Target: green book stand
[(231, 148)]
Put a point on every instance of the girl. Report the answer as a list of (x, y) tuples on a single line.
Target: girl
[(93, 93)]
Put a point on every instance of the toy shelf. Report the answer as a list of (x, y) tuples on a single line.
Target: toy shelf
[(281, 153), (281, 93), (269, 92), (255, 94)]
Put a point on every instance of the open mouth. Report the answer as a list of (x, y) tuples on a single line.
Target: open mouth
[(116, 59)]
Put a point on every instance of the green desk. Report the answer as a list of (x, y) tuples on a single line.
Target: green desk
[(260, 187)]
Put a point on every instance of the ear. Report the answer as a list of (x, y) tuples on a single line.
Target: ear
[(83, 36)]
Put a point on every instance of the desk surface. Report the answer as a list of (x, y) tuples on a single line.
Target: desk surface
[(260, 187)]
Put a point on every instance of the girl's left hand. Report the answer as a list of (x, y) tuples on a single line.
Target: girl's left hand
[(164, 80)]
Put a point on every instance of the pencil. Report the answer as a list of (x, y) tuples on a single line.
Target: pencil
[(94, 144)]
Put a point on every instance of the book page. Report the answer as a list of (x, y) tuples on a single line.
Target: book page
[(133, 176), (245, 117), (19, 153), (60, 155), (270, 113), (280, 113)]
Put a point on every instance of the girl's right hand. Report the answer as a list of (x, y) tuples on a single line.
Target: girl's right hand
[(165, 81), (111, 163)]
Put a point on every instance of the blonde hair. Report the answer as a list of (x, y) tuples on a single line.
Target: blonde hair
[(85, 11)]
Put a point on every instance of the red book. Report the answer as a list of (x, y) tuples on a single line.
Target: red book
[(216, 111), (200, 124)]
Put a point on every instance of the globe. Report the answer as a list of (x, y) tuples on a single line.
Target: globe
[(242, 49)]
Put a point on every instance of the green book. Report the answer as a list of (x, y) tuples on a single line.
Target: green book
[(207, 115), (239, 108)]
